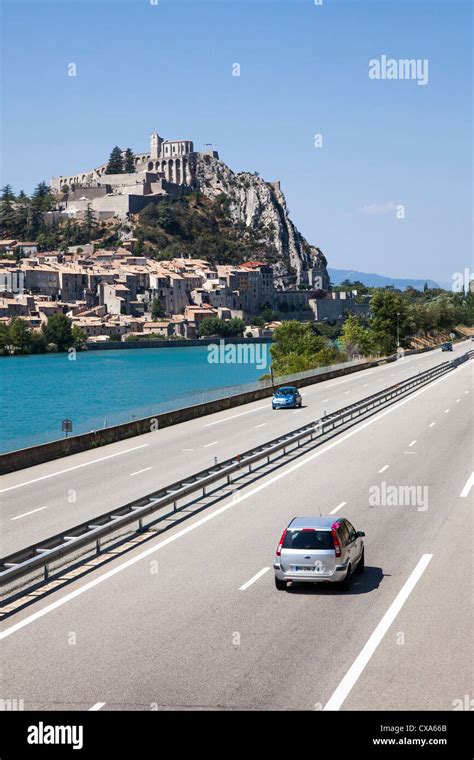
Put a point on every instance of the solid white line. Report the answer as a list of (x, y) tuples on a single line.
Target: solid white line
[(361, 661), (468, 486), (261, 425), (210, 444), (250, 411), (139, 471), (412, 443), (253, 579), (432, 424), (212, 515), (385, 467), (339, 506), (28, 513), (96, 707), (76, 467)]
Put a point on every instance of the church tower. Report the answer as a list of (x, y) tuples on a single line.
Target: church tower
[(155, 145)]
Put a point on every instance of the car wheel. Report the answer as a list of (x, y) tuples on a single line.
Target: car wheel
[(300, 404), (346, 583), (360, 567), (281, 585)]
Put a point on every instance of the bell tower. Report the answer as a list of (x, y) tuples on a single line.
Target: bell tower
[(155, 145)]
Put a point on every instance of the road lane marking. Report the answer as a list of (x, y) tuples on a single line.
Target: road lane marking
[(254, 578), (233, 416), (261, 425), (358, 666), (412, 443), (458, 400), (25, 514), (339, 506), (210, 444), (96, 707), (432, 424), (211, 516), (187, 449), (324, 400), (385, 467), (446, 411), (468, 486), (140, 471), (76, 467)]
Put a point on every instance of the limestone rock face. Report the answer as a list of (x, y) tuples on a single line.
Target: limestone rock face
[(261, 206)]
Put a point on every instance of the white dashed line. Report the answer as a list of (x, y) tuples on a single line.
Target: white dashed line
[(210, 444), (385, 467), (468, 486), (261, 425), (97, 706), (412, 443), (432, 424), (233, 416), (339, 506), (446, 411), (140, 471), (254, 578), (25, 514), (76, 467)]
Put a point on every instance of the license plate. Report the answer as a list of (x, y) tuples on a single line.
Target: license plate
[(303, 568)]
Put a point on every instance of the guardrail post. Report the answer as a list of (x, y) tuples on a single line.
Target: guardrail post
[(46, 572), (97, 546)]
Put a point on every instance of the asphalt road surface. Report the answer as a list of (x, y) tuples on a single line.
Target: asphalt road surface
[(192, 619), (43, 500)]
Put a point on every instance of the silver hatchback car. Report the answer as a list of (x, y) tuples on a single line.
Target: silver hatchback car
[(319, 550)]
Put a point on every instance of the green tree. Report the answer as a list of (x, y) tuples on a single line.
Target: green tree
[(388, 309), (355, 337), (19, 335), (90, 222), (115, 164), (58, 330), (129, 161), (78, 337), (157, 309), (297, 348)]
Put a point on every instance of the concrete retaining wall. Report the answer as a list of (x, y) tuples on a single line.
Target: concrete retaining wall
[(18, 460)]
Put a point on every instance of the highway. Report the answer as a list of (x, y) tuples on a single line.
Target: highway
[(192, 619), (43, 500)]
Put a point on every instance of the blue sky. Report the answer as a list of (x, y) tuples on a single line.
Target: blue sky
[(303, 71)]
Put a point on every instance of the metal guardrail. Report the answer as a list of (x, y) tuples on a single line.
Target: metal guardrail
[(42, 554)]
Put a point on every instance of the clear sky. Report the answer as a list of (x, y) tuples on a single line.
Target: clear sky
[(304, 70)]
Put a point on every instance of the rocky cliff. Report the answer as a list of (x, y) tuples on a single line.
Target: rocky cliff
[(261, 206)]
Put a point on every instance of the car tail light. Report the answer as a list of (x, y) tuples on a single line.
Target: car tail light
[(335, 538), (280, 543)]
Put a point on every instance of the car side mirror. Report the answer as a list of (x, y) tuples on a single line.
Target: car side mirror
[(360, 533)]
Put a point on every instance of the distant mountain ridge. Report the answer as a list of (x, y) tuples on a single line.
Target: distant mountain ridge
[(377, 280)]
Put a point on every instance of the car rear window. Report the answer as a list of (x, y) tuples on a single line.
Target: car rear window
[(308, 539), (285, 392)]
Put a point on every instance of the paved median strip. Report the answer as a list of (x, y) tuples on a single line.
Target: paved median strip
[(359, 664), (254, 578)]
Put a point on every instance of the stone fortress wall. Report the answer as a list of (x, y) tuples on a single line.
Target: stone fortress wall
[(166, 170)]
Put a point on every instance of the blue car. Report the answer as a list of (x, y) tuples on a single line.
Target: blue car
[(286, 398)]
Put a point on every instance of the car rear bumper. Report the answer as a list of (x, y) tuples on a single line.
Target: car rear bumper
[(338, 574)]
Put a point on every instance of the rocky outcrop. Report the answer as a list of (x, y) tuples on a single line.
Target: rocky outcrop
[(261, 206)]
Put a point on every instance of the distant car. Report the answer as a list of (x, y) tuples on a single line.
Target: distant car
[(472, 337), (319, 550), (286, 398), (447, 347)]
